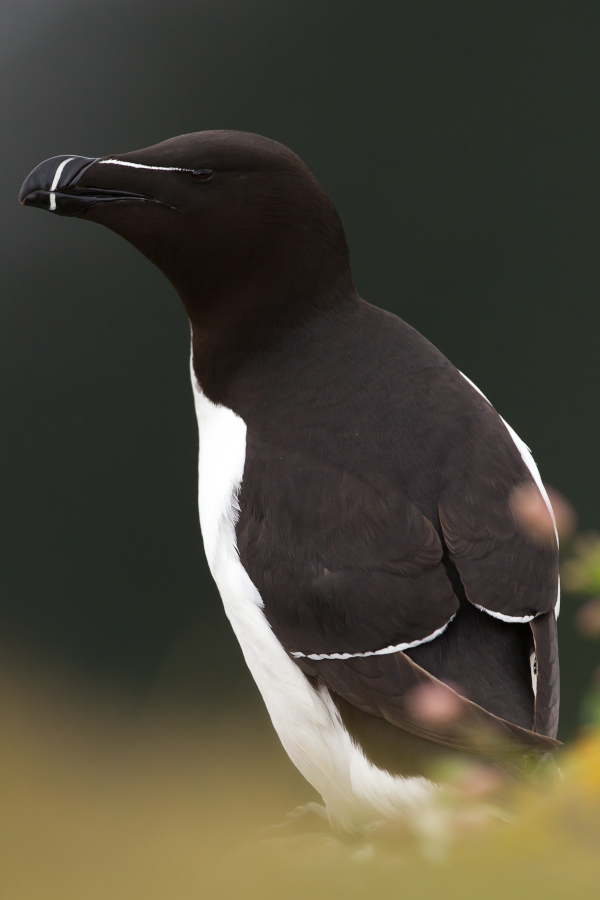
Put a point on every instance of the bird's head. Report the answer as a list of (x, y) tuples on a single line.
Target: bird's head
[(235, 221)]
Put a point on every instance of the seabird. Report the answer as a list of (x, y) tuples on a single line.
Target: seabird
[(354, 487)]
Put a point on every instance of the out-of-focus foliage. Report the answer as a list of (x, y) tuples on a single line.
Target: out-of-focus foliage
[(581, 573), (95, 807), (98, 804)]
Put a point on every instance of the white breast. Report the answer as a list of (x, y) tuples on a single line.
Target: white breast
[(355, 792)]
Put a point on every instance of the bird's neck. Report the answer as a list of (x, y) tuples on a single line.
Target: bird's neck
[(247, 330)]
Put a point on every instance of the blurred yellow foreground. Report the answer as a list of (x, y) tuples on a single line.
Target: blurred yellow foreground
[(93, 807)]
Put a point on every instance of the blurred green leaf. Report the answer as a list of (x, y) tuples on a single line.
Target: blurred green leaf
[(581, 573)]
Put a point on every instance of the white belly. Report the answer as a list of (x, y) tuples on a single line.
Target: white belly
[(355, 792)]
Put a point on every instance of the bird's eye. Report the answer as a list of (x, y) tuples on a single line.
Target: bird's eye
[(203, 174)]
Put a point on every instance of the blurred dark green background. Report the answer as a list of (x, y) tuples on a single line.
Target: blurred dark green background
[(461, 144)]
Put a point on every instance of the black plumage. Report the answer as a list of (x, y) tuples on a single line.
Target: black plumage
[(388, 473)]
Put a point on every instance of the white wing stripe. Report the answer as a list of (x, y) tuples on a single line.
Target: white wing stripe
[(502, 617), (396, 648)]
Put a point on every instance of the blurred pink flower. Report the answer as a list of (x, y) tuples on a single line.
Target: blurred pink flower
[(480, 779), (587, 618), (434, 704), (531, 513)]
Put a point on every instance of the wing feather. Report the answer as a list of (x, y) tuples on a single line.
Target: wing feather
[(382, 686), (340, 567)]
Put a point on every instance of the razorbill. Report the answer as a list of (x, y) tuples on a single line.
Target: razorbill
[(354, 486)]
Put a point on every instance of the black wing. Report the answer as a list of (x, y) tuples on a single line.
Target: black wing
[(340, 567), (502, 568), (344, 569), (381, 686), (548, 687)]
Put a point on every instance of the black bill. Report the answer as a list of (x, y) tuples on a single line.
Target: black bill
[(58, 185)]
